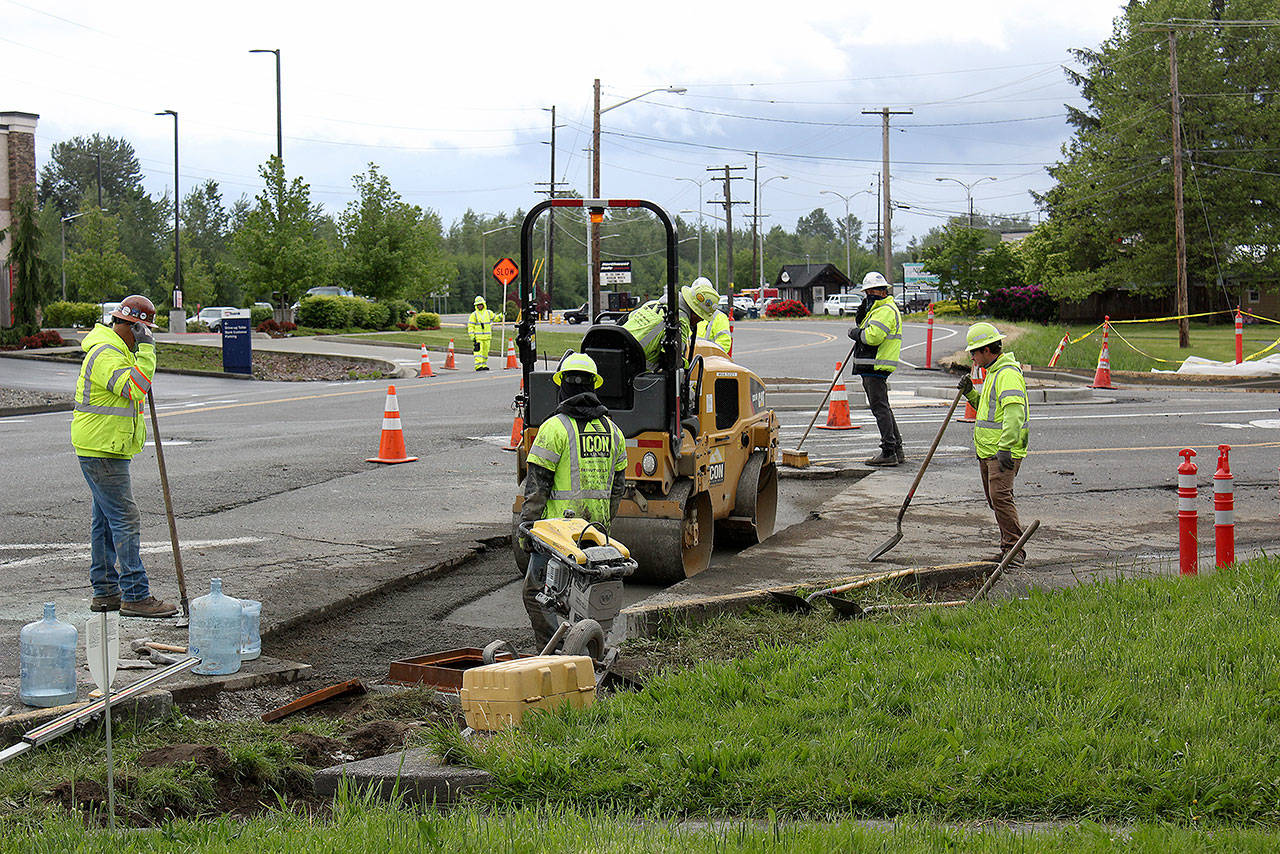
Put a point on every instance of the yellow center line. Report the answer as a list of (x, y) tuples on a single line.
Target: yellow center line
[(822, 336)]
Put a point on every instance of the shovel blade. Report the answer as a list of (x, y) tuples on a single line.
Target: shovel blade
[(845, 609), (884, 549), (790, 602)]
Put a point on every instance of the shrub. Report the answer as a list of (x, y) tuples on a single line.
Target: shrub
[(787, 308), (360, 315), (45, 338), (949, 306), (425, 320), (1021, 302), (274, 329), (162, 319), (322, 312), (70, 314), (511, 310), (379, 316), (400, 311), (259, 313)]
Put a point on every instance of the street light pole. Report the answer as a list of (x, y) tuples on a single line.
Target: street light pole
[(594, 296), (847, 199), (279, 119), (177, 314), (699, 183), (968, 191), (62, 227), (760, 207)]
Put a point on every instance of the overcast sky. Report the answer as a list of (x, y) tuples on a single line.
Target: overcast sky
[(449, 98)]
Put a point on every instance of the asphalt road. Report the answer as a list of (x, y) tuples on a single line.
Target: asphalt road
[(273, 493)]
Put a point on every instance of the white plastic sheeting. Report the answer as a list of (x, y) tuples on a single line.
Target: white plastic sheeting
[(1268, 366)]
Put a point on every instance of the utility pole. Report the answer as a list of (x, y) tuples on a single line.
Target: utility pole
[(549, 275), (728, 178), (755, 218), (594, 297), (886, 204), (1180, 232)]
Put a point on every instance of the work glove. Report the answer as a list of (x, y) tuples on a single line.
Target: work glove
[(142, 333), (475, 345), (1006, 460), (965, 385), (525, 544), (855, 334)]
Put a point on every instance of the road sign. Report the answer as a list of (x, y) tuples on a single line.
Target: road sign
[(505, 271), (615, 272)]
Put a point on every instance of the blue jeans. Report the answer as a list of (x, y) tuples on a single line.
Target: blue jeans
[(116, 531)]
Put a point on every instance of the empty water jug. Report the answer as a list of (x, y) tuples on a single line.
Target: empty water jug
[(47, 651), (214, 634), (250, 624)]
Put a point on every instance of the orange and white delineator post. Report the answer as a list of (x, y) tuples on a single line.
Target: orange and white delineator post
[(1239, 337), (424, 369), (928, 345), (838, 411), (449, 364), (391, 448), (979, 376), (1188, 519), (1062, 345), (1102, 376), (1224, 509), (512, 364)]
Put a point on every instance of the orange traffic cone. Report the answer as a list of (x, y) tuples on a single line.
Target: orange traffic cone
[(1102, 376), (425, 369), (838, 412), (979, 376), (517, 428), (391, 449), (511, 355), (448, 358)]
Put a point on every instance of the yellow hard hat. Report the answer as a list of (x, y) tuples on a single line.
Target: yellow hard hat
[(479, 301), (981, 334), (702, 298), (578, 363)]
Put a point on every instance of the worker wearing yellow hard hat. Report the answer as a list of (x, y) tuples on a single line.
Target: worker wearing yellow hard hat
[(697, 303)]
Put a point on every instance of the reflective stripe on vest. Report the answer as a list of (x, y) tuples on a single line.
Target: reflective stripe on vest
[(82, 402), (575, 492), (992, 401)]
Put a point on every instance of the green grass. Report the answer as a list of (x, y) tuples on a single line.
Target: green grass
[(357, 826), (189, 357), (1151, 700), (552, 340), (1159, 340)]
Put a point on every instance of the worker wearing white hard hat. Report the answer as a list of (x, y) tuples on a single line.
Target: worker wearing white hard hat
[(877, 344)]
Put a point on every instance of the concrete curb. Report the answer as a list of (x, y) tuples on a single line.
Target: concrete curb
[(416, 776), (59, 406), (643, 621), (1035, 395)]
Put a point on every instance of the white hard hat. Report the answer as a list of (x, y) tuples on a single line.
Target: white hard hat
[(872, 280)]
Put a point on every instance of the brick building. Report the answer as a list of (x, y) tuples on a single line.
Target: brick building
[(17, 170)]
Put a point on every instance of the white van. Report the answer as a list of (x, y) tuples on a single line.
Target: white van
[(842, 304), (107, 308)]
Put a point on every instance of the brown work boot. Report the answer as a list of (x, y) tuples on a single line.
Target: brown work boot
[(105, 603), (149, 607), (883, 460)]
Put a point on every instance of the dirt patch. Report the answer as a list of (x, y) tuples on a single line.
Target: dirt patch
[(213, 759), (297, 367), (79, 795), (375, 738), (318, 751)]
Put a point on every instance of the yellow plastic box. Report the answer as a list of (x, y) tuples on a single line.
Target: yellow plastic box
[(498, 696)]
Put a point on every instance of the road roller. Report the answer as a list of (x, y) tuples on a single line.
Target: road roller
[(702, 446)]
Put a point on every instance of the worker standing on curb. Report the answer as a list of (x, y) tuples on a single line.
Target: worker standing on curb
[(577, 465), (480, 328), (1000, 434), (877, 344), (647, 324), (107, 431)]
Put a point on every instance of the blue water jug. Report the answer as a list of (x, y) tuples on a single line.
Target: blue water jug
[(47, 651), (214, 634)]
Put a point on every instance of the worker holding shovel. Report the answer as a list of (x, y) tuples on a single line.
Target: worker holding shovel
[(107, 431), (1000, 432)]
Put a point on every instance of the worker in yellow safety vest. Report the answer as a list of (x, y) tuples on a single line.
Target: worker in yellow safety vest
[(480, 328), (877, 344), (647, 323), (1000, 434), (107, 431), (716, 330), (577, 465)]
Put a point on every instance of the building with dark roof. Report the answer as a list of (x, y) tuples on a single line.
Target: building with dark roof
[(811, 284)]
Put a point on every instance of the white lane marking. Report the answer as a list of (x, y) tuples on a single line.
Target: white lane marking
[(951, 333), (1266, 423), (167, 442), (77, 551)]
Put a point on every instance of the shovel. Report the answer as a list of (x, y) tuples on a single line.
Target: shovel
[(897, 537), (185, 619), (794, 604)]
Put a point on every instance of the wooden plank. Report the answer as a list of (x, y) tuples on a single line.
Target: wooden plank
[(308, 700)]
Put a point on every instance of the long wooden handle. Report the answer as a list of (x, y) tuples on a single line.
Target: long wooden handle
[(834, 380), (867, 582), (924, 465), (168, 508)]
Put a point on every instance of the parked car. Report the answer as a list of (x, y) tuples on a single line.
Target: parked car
[(577, 315), (841, 304), (211, 317), (739, 306)]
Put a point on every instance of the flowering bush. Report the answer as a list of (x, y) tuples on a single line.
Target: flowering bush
[(787, 308), (1021, 302), (276, 330), (47, 338)]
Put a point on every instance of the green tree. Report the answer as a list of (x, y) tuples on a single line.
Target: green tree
[(279, 246), (957, 260), (817, 223), (33, 278), (97, 271), (197, 279), (383, 242), (72, 171)]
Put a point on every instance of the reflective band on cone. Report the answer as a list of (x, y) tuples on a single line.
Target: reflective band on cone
[(838, 411), (1188, 537), (1224, 508), (1062, 345), (511, 356), (979, 378), (424, 369), (391, 448), (448, 358), (1102, 376)]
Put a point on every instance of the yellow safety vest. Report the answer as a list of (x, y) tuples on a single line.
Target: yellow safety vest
[(109, 394), (1002, 408), (718, 331), (584, 458), (647, 324), (479, 324), (881, 329)]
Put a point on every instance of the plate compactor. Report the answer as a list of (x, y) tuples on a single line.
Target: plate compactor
[(702, 445)]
